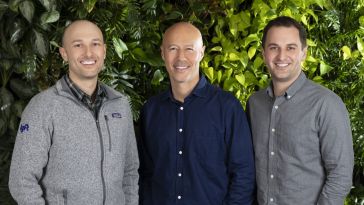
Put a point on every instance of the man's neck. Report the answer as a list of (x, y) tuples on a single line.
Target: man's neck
[(280, 88), (87, 86), (182, 90)]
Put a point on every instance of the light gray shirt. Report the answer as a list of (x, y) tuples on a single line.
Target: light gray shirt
[(303, 145)]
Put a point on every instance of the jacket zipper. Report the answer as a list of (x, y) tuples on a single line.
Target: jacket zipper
[(64, 197), (108, 131), (102, 162)]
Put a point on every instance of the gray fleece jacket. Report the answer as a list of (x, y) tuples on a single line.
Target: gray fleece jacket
[(63, 155)]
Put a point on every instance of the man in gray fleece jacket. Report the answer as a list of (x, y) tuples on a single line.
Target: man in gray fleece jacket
[(76, 142)]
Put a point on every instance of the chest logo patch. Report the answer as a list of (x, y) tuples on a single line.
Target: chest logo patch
[(116, 115)]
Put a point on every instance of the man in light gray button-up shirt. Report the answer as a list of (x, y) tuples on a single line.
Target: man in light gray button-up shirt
[(301, 130)]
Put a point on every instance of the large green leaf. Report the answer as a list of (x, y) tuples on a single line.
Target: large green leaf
[(3, 7), (89, 5), (157, 77), (21, 88), (40, 43), (49, 17), (360, 45), (14, 5), (119, 46), (17, 31), (27, 10), (346, 52), (324, 68), (6, 100), (46, 3)]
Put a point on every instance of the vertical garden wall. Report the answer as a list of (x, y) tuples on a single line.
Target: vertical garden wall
[(30, 32)]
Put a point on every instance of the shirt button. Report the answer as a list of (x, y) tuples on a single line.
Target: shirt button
[(181, 108), (276, 107), (179, 174), (273, 130), (288, 96), (271, 176), (180, 130), (180, 152), (179, 197), (272, 153), (271, 199)]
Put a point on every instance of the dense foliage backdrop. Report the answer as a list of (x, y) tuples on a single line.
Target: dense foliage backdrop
[(30, 32)]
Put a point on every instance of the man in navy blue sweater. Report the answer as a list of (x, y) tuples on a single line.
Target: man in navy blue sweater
[(196, 146)]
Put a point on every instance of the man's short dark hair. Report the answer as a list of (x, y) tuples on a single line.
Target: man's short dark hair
[(285, 21)]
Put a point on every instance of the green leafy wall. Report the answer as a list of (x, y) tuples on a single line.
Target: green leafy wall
[(30, 32)]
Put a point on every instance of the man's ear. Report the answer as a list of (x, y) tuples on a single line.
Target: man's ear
[(304, 53), (104, 51), (202, 52), (162, 53), (63, 53)]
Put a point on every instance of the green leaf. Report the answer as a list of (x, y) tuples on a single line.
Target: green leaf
[(251, 38), (233, 56), (361, 21), (6, 100), (21, 89), (18, 107), (89, 5), (27, 10), (209, 72), (360, 45), (250, 78), (46, 4), (119, 46), (14, 5), (241, 79), (324, 68), (3, 126), (346, 52), (40, 44), (257, 63), (49, 17), (251, 52), (17, 32), (3, 7), (174, 15), (157, 77), (216, 48), (311, 43), (219, 76)]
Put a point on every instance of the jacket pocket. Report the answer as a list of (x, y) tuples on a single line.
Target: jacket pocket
[(108, 131)]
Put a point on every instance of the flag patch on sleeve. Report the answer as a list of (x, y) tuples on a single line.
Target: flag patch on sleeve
[(24, 128)]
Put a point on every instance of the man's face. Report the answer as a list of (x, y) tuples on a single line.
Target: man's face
[(182, 50), (283, 54), (84, 50)]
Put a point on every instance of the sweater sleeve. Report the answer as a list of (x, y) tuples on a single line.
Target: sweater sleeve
[(131, 176), (30, 154)]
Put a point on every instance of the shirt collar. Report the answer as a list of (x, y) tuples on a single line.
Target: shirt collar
[(79, 94), (197, 91), (292, 90)]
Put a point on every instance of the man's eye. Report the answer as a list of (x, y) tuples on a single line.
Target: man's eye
[(172, 49), (291, 48), (77, 45), (273, 48), (97, 44)]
